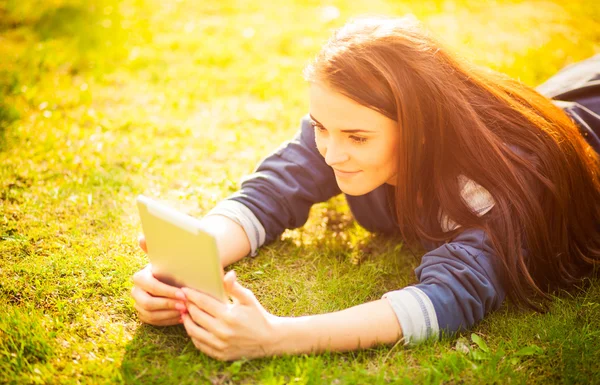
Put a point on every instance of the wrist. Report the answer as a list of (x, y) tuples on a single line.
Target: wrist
[(280, 336)]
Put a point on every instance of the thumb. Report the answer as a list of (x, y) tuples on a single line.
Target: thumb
[(142, 242), (237, 291), (228, 280)]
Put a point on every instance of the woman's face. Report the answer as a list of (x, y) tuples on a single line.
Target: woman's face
[(357, 142)]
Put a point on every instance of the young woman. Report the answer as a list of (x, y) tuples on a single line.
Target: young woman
[(497, 181)]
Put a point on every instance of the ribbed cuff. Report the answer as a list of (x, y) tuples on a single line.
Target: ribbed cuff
[(242, 215), (415, 313), (477, 198)]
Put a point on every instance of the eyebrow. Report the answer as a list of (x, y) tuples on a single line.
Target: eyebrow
[(345, 131)]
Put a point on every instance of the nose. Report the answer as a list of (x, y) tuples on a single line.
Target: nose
[(335, 154)]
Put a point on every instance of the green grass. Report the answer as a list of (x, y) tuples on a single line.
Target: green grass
[(180, 100)]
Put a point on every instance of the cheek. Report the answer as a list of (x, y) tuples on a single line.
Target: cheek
[(390, 157), (383, 158), (320, 145)]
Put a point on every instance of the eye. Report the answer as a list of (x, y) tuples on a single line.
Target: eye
[(317, 126), (358, 139), (355, 139)]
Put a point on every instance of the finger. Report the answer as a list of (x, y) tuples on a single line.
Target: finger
[(237, 291), (158, 318), (205, 302), (209, 350), (156, 315), (142, 242), (166, 322), (200, 334), (151, 303), (205, 321), (145, 280)]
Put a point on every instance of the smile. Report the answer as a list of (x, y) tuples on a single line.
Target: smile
[(345, 173)]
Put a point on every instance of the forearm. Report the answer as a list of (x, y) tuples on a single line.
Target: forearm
[(358, 327), (232, 241)]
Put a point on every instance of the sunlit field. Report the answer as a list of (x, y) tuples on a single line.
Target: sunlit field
[(103, 100)]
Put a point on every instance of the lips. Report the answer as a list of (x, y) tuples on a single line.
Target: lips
[(345, 173)]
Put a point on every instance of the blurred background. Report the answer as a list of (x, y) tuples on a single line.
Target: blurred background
[(91, 77)]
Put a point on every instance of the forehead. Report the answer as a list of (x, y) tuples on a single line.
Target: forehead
[(338, 112)]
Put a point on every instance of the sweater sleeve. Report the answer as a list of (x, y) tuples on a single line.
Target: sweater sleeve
[(458, 285), (281, 191)]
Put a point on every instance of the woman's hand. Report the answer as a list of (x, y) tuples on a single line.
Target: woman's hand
[(228, 331), (155, 301)]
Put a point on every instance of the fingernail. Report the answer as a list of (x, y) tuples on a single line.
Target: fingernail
[(179, 306)]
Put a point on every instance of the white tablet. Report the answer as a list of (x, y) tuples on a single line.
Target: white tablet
[(180, 251)]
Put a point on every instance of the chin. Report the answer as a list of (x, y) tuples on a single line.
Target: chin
[(354, 191)]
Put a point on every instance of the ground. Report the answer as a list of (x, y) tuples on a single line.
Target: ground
[(101, 101)]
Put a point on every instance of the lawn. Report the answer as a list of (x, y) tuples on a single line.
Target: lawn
[(101, 101)]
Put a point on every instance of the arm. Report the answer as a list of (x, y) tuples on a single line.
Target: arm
[(459, 285), (232, 241), (344, 330), (245, 329)]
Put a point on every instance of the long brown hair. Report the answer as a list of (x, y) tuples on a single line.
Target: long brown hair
[(458, 119)]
